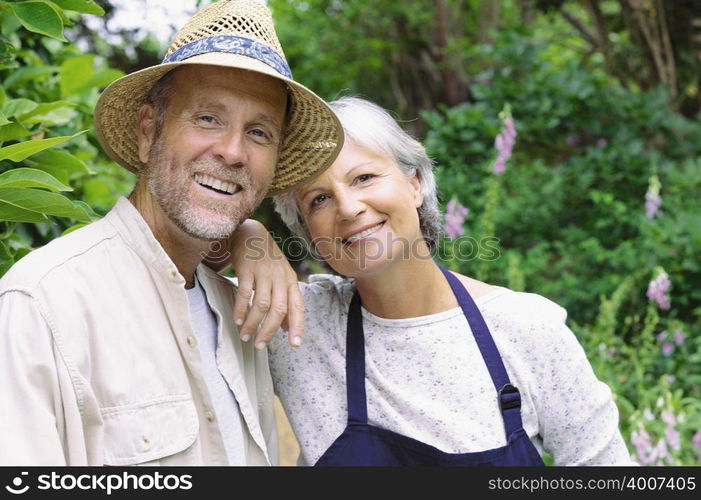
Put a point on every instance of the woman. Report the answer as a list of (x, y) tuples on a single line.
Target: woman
[(406, 363)]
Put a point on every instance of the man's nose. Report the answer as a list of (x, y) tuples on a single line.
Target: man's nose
[(231, 148)]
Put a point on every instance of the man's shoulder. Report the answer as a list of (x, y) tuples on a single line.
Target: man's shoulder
[(37, 265)]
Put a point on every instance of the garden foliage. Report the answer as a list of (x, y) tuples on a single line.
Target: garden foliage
[(592, 196), (598, 209), (53, 175)]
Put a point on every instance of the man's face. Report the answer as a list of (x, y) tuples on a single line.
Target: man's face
[(214, 160)]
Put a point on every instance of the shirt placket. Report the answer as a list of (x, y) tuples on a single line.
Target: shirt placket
[(179, 312)]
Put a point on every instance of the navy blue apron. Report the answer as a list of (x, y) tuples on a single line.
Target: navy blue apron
[(362, 444)]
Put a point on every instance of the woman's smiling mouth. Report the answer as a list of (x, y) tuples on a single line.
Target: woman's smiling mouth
[(362, 234)]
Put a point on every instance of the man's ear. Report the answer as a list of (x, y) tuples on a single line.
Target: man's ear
[(145, 130)]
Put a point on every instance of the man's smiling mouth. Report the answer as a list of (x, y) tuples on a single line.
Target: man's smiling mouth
[(222, 187)]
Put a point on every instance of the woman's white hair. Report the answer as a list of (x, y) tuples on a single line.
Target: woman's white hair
[(369, 126)]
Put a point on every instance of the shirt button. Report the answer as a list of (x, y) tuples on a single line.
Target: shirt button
[(173, 273), (146, 444), (191, 341), (209, 416)]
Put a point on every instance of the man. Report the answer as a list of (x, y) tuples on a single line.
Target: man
[(117, 345)]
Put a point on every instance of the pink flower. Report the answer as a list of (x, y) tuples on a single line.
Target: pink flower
[(672, 436), (454, 219), (660, 453), (601, 143), (669, 418), (645, 453), (572, 140), (661, 336), (504, 144), (696, 440), (667, 349), (653, 202), (641, 441), (679, 336), (658, 288)]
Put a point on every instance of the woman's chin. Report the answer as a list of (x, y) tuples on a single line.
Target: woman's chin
[(358, 269)]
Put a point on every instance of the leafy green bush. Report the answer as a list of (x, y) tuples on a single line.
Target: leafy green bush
[(570, 216), (53, 175)]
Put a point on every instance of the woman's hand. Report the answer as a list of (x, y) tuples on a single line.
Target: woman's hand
[(261, 266)]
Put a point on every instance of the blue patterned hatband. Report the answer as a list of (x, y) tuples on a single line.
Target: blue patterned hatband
[(233, 45)]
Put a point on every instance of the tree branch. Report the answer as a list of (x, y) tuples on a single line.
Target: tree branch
[(581, 27)]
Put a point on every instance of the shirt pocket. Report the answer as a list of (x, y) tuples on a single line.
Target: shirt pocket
[(150, 431)]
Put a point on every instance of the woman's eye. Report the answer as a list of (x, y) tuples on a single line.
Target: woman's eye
[(317, 200), (365, 177)]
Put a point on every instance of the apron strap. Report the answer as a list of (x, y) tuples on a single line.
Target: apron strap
[(509, 396), (355, 364)]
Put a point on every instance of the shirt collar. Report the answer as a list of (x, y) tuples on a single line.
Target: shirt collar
[(132, 227)]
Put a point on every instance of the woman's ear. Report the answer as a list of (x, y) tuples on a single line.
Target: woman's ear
[(416, 185), (146, 131)]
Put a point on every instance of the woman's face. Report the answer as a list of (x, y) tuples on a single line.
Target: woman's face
[(362, 212)]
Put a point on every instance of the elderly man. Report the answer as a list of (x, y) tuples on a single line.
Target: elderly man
[(117, 345)]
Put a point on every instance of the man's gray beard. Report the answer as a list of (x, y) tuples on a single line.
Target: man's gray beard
[(170, 197)]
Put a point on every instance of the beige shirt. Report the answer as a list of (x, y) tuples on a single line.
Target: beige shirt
[(99, 363)]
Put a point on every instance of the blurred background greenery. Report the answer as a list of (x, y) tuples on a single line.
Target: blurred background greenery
[(599, 205)]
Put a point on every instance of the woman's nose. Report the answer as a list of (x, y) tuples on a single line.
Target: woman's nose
[(350, 205)]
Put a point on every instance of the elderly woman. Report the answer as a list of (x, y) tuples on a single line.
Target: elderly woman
[(407, 363)]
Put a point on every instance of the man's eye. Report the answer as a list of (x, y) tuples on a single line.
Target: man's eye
[(207, 119), (259, 133)]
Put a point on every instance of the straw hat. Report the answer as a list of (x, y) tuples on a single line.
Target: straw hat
[(236, 34)]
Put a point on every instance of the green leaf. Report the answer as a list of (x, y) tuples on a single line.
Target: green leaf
[(84, 6), (73, 228), (3, 119), (92, 215), (102, 78), (18, 107), (4, 251), (13, 131), (39, 17), (60, 158), (21, 252), (30, 177), (22, 150), (5, 266), (43, 202), (7, 51), (29, 73), (46, 107), (12, 213), (75, 73), (50, 113)]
